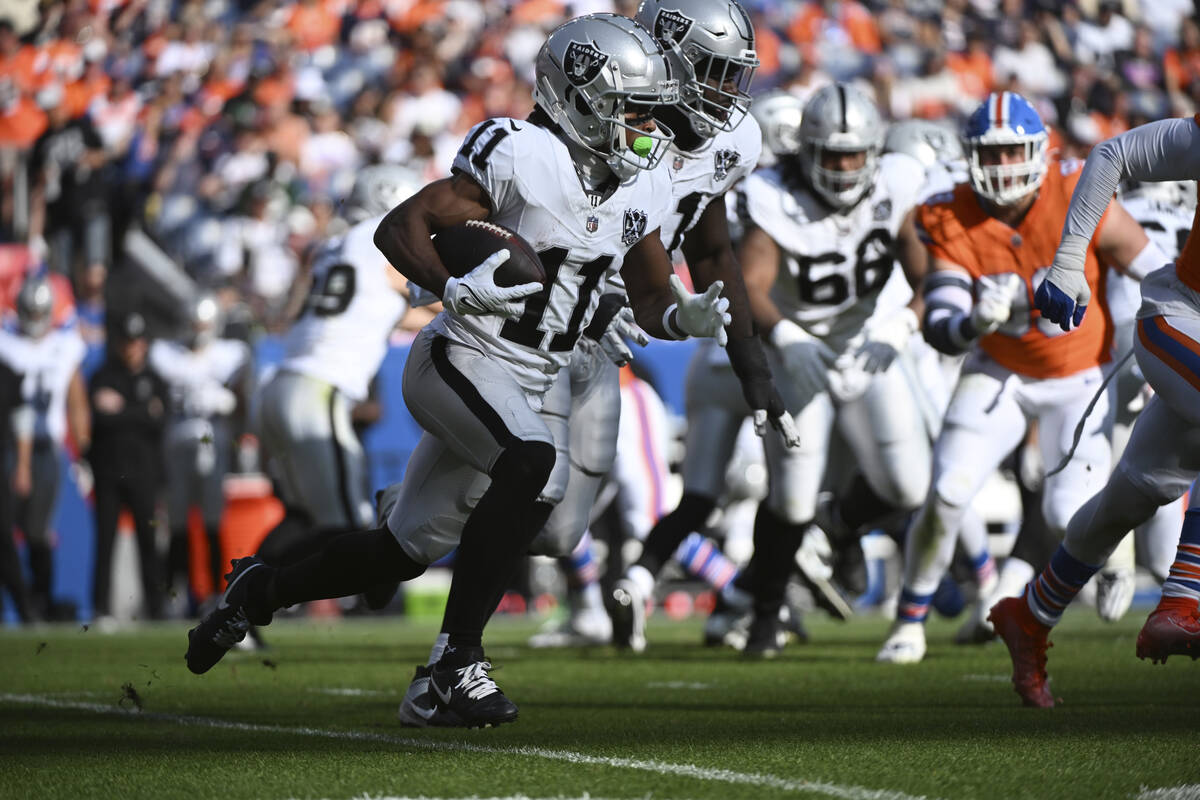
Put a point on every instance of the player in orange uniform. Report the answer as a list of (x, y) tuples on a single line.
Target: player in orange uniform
[(990, 242), (1163, 455)]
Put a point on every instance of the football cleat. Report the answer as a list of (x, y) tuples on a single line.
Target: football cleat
[(629, 616), (977, 629), (905, 644), (1026, 639), (729, 622), (1172, 629), (812, 559), (461, 689), (418, 709), (227, 624), (767, 637), (584, 628), (1114, 593)]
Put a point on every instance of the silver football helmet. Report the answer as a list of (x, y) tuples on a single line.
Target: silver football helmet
[(778, 114), (710, 48), (927, 142), (590, 73), (1175, 194), (378, 189), (35, 306), (840, 119)]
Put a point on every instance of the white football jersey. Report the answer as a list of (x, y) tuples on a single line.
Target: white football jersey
[(341, 336), (1165, 211), (835, 264), (195, 376), (534, 190), (46, 366)]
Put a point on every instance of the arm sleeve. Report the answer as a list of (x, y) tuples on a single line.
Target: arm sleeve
[(948, 303), (1164, 150)]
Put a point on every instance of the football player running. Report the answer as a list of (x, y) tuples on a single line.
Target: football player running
[(715, 406), (578, 181), (990, 241), (1160, 460), (331, 353), (821, 272)]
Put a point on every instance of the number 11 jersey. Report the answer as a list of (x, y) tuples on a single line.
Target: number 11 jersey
[(534, 190), (834, 264)]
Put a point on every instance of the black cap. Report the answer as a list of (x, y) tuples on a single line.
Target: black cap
[(131, 326)]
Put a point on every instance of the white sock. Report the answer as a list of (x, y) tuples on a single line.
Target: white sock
[(1013, 576), (641, 578)]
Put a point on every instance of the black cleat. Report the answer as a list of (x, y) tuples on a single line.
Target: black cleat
[(766, 638), (463, 692), (227, 624)]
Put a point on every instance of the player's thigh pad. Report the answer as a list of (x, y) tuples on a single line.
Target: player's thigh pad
[(595, 409), (715, 409), (438, 493), (469, 400), (794, 473), (885, 429), (1168, 351)]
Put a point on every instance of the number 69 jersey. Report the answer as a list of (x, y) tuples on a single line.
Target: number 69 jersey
[(534, 190), (341, 335), (834, 263)]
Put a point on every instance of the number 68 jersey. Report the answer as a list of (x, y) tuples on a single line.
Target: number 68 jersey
[(834, 264), (534, 190)]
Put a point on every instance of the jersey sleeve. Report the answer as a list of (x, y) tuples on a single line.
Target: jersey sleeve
[(749, 148), (489, 157), (75, 351), (1165, 150), (906, 179), (763, 207)]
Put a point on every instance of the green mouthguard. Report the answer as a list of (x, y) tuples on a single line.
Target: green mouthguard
[(642, 146)]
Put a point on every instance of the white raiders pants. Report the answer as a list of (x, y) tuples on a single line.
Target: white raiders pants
[(315, 455), (641, 472), (883, 425), (988, 415), (583, 409), (715, 408), (1162, 458), (471, 409)]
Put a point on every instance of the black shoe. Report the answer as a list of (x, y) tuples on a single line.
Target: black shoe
[(462, 690), (225, 625), (767, 637)]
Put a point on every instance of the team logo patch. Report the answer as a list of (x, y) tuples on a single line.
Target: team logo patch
[(671, 25), (634, 228), (582, 63), (592, 224), (883, 210), (678, 163), (723, 161)]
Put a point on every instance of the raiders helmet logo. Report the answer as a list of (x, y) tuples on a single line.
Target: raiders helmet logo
[(582, 63), (723, 161), (883, 210), (671, 26), (634, 228)]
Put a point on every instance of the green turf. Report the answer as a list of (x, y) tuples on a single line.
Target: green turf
[(948, 728)]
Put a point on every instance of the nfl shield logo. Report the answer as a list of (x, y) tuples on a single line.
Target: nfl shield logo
[(592, 224), (678, 164)]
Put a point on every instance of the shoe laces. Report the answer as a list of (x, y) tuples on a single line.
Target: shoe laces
[(232, 631), (473, 680)]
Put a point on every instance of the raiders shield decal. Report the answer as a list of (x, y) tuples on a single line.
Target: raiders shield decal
[(582, 63), (883, 210), (723, 161), (671, 25), (634, 228)]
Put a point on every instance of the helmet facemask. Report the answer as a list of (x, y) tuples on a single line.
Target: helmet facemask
[(839, 188), (1007, 184), (715, 90)]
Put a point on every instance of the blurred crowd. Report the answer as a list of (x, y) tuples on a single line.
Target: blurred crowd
[(227, 132)]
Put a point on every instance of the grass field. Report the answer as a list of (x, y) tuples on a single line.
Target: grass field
[(314, 718)]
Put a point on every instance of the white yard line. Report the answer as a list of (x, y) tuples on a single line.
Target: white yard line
[(679, 685), (1189, 791), (351, 692), (846, 792)]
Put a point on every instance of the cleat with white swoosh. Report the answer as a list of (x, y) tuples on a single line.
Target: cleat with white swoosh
[(460, 687), (418, 709)]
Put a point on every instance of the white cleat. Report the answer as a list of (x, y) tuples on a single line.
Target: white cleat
[(584, 628), (1114, 593), (904, 645), (629, 616), (978, 628)]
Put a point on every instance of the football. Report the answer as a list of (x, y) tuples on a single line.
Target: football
[(465, 246)]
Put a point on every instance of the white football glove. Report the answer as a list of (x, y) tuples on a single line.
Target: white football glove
[(702, 315), (806, 357), (886, 340), (993, 308), (477, 292), (623, 327)]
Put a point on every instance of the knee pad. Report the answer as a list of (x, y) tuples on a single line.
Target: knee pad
[(952, 490), (524, 467)]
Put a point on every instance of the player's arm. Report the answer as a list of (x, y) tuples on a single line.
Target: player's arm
[(661, 306), (78, 413), (914, 260), (953, 321), (1123, 243), (1158, 151), (710, 258), (404, 236)]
